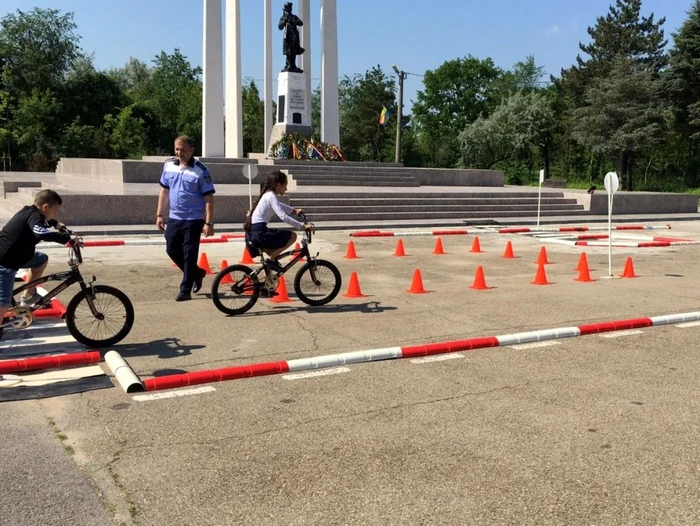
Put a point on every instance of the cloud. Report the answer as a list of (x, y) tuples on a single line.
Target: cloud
[(552, 30)]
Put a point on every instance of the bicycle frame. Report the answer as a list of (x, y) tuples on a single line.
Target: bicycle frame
[(67, 277)]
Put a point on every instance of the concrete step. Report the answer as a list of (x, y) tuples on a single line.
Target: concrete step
[(428, 208), (382, 196), (429, 201), (357, 182), (400, 216)]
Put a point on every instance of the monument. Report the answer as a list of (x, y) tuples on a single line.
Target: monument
[(293, 113), (218, 141)]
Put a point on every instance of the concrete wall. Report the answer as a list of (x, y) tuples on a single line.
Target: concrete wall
[(137, 209), (644, 203), (149, 172), (109, 170), (456, 177)]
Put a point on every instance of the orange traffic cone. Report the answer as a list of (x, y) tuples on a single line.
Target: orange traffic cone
[(283, 296), (351, 254), (354, 288), (246, 259), (508, 253), (227, 277), (399, 252), (541, 276), (438, 251), (417, 284), (542, 258), (584, 274), (476, 246), (204, 263), (479, 280), (297, 246), (629, 269)]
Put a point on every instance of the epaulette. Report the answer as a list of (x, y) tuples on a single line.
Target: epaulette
[(171, 159), (200, 164)]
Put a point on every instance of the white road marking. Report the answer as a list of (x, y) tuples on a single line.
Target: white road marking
[(437, 358), (35, 342), (534, 345), (173, 394), (617, 334), (688, 324), (312, 374)]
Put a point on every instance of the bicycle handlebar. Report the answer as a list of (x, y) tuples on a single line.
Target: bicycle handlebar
[(73, 247)]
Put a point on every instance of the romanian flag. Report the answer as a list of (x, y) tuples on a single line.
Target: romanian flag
[(384, 117)]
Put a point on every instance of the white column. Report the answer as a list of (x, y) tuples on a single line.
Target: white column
[(213, 82), (267, 89), (330, 118), (305, 15), (234, 110)]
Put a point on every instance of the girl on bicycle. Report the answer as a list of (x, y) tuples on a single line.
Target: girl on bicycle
[(272, 240)]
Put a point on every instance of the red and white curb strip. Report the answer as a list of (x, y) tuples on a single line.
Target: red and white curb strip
[(510, 230), (48, 362), (414, 351), (224, 238)]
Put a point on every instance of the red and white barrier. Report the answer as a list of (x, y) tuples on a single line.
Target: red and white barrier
[(48, 362), (413, 351), (509, 230)]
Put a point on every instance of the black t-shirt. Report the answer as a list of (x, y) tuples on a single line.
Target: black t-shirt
[(20, 235)]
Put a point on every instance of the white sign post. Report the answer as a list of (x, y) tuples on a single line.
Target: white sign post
[(539, 197), (612, 183), (250, 171)]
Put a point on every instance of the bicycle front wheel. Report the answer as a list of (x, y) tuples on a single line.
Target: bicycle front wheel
[(235, 289), (109, 324), (317, 282)]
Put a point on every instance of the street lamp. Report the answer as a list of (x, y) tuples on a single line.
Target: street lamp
[(402, 75)]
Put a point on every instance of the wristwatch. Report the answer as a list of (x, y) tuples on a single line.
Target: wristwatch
[(209, 224)]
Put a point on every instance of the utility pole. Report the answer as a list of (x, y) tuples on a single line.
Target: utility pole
[(402, 75)]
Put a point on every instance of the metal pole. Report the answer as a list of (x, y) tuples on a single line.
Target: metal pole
[(399, 113)]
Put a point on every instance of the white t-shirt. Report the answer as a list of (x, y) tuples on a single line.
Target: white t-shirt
[(270, 205)]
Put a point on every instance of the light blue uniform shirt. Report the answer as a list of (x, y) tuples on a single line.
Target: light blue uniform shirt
[(188, 185)]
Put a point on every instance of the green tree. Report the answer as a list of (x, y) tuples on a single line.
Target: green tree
[(90, 94), (127, 134), (683, 86), (173, 92), (624, 115), (253, 119), (131, 76), (361, 100), (36, 119), (38, 48), (454, 95), (516, 129)]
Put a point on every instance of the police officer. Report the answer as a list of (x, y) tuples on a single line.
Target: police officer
[(188, 185)]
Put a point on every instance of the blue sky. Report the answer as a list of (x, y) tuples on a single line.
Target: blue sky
[(416, 35)]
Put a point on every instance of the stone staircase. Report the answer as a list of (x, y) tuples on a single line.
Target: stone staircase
[(352, 176), (377, 206)]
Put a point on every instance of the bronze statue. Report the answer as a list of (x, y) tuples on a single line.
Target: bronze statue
[(291, 46)]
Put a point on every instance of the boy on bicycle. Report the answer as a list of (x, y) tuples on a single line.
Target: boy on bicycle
[(19, 238)]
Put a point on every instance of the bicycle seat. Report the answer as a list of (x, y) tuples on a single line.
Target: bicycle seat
[(254, 249)]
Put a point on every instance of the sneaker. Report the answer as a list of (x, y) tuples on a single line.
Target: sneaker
[(197, 286), (183, 296), (264, 293), (30, 301), (273, 264)]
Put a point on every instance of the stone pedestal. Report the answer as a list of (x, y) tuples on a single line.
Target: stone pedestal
[(293, 115)]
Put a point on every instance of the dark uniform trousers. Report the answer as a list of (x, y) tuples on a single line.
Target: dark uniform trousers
[(182, 245)]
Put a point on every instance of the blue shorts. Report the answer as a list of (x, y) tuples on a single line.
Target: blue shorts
[(7, 278)]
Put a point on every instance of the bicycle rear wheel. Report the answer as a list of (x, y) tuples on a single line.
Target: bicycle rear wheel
[(111, 324), (317, 282), (235, 289)]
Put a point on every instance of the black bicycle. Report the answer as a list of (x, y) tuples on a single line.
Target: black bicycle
[(237, 287), (97, 316)]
